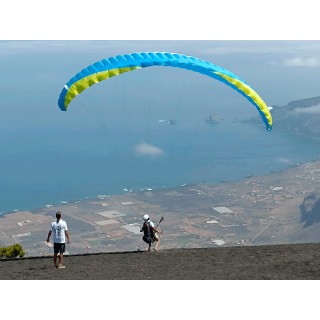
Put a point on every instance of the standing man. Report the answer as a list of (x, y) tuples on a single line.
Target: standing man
[(60, 232), (150, 233)]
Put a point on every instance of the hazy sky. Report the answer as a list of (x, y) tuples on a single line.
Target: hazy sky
[(32, 75)]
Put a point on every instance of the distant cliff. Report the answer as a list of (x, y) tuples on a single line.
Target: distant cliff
[(310, 209), (302, 117), (298, 117)]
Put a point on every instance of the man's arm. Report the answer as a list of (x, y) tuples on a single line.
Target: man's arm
[(67, 235), (49, 235), (157, 231)]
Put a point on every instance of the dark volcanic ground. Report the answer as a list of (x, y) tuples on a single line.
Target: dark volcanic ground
[(277, 262)]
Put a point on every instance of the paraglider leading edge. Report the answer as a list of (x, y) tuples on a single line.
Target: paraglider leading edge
[(117, 65)]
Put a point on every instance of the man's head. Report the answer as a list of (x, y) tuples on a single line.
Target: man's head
[(58, 215)]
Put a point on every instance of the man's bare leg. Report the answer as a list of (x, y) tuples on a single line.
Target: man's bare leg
[(157, 245), (55, 260)]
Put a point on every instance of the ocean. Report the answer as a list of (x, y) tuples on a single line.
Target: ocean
[(50, 167)]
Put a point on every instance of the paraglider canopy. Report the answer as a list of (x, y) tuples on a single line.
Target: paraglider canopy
[(117, 65)]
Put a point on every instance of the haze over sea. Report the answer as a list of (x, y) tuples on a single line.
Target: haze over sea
[(116, 134), (111, 160)]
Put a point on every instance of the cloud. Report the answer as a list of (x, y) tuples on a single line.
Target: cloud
[(146, 149), (301, 48), (302, 62), (283, 160), (310, 110)]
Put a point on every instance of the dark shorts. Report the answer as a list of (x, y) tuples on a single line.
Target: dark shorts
[(148, 240), (59, 248)]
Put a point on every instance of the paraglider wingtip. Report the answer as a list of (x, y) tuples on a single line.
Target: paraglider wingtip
[(62, 108)]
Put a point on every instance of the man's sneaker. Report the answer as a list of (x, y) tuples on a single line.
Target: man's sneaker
[(61, 266)]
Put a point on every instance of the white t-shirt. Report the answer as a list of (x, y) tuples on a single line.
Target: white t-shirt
[(58, 231)]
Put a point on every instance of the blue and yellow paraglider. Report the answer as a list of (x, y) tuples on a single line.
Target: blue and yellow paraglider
[(117, 65)]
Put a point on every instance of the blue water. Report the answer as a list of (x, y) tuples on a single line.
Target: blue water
[(48, 166)]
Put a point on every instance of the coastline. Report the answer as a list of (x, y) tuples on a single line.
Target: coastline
[(128, 190), (255, 211)]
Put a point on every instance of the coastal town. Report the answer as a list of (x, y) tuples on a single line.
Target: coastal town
[(255, 211)]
